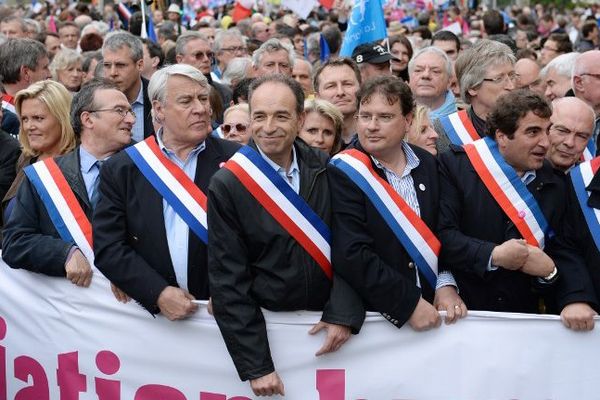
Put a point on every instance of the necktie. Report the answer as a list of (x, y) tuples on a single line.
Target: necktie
[(95, 192)]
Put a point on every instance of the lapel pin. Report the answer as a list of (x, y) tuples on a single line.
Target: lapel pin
[(421, 187)]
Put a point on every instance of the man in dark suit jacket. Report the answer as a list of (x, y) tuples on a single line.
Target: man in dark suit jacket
[(141, 242), (102, 120), (365, 250), (10, 150), (496, 270)]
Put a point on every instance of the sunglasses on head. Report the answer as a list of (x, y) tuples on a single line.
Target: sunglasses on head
[(238, 127)]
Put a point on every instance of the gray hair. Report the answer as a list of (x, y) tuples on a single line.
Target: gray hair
[(99, 26), (473, 64), (563, 65), (157, 89), (431, 49), (229, 33), (62, 60), (15, 53), (185, 38), (20, 20), (117, 40), (236, 70), (270, 46), (32, 26)]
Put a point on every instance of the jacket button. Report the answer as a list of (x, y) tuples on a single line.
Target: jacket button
[(411, 265)]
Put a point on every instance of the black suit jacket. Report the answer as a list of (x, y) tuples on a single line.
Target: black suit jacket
[(130, 242), (365, 251), (9, 154), (471, 224), (30, 239), (148, 126)]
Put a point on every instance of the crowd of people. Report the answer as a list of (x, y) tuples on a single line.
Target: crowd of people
[(226, 158)]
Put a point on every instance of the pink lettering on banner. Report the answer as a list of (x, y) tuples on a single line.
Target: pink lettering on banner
[(219, 396), (108, 363), (158, 392), (70, 381), (3, 386), (331, 384), (26, 367)]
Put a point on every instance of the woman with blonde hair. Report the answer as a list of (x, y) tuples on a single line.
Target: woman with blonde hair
[(236, 124), (322, 126), (421, 132), (66, 69), (45, 131)]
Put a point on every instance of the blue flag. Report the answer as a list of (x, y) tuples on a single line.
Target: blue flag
[(325, 52), (151, 31), (366, 24)]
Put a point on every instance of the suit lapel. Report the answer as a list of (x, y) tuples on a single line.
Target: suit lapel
[(70, 165)]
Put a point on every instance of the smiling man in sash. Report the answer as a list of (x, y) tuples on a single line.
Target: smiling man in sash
[(269, 214), (49, 230), (501, 205), (385, 197), (150, 224)]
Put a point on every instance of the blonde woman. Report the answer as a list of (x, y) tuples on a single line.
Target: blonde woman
[(421, 132), (236, 124), (322, 126), (66, 69), (45, 131)]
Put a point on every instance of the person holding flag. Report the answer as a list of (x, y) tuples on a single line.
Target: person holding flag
[(269, 214), (366, 24), (501, 209), (385, 197)]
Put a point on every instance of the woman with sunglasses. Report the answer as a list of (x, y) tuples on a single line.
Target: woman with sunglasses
[(236, 121)]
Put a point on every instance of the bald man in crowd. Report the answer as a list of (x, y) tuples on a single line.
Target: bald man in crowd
[(586, 83), (528, 76)]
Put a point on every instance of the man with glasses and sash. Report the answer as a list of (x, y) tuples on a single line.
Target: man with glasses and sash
[(501, 208), (385, 197), (150, 230), (269, 246), (49, 230)]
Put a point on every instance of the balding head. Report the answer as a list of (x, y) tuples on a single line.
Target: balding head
[(528, 75), (572, 127), (586, 78)]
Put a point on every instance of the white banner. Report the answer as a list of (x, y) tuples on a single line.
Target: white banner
[(59, 341)]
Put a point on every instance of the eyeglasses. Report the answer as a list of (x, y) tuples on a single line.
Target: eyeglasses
[(234, 49), (121, 111), (597, 76), (383, 118), (201, 54), (550, 49), (238, 127), (502, 78)]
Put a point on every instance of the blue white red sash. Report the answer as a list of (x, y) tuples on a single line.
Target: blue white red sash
[(414, 235), (8, 103), (459, 128), (286, 206), (590, 151), (64, 210), (124, 11), (508, 190), (188, 201), (581, 176)]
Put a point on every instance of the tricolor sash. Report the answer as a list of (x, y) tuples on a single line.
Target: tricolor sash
[(590, 151), (459, 128), (8, 103), (581, 176), (508, 190), (286, 206), (171, 182), (64, 210), (410, 230)]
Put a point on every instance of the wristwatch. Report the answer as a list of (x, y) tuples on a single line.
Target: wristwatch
[(552, 275)]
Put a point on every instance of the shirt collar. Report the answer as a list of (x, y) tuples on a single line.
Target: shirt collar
[(279, 168), (196, 150), (412, 161), (528, 177), (140, 97), (86, 160)]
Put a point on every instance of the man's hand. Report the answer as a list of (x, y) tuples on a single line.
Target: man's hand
[(337, 335), (267, 385), (176, 303), (511, 254), (120, 295), (578, 316), (538, 263), (424, 317), (78, 269), (447, 299)]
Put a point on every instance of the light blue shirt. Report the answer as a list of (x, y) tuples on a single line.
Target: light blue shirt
[(292, 177), (138, 108), (177, 230), (89, 170)]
